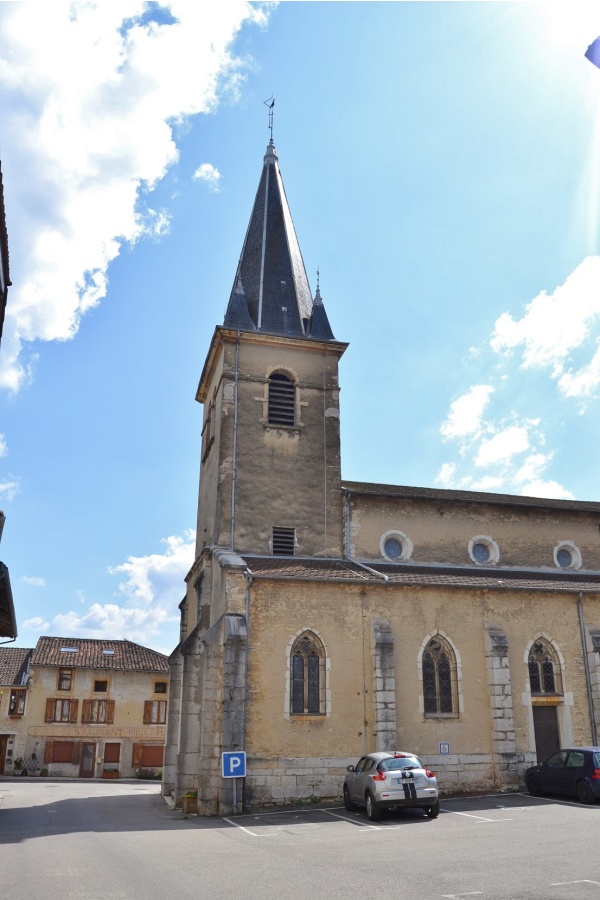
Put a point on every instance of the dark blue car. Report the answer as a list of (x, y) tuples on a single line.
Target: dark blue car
[(575, 770)]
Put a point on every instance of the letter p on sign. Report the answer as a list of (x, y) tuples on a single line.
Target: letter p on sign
[(233, 765)]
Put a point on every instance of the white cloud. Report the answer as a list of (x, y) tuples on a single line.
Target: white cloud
[(465, 413), (555, 325), (34, 581), (540, 488), (37, 623), (152, 590), (209, 175), (9, 489), (89, 95), (3, 446), (503, 446), (447, 474)]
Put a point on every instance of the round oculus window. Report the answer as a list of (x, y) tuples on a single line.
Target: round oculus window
[(564, 557), (392, 548), (481, 553), (567, 555), (483, 550)]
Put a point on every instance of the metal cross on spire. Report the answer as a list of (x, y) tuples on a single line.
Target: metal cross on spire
[(270, 103)]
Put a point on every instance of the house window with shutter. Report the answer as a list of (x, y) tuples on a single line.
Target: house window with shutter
[(148, 756), (307, 676), (16, 704), (65, 679), (98, 712), (61, 710), (112, 753), (281, 400), (160, 687), (155, 712), (62, 752)]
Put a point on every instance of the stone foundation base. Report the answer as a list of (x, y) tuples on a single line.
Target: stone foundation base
[(274, 782)]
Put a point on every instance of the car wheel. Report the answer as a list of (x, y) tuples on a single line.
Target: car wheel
[(533, 786), (350, 806), (585, 793), (373, 811), (434, 811)]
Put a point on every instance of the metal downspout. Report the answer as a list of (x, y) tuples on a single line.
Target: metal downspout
[(235, 424), (249, 579), (586, 666), (348, 498)]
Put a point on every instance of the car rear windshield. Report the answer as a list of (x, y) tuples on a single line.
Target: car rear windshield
[(597, 760), (400, 762)]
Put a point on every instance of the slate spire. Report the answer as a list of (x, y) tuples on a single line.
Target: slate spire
[(270, 291)]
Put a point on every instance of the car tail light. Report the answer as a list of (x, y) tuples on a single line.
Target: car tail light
[(596, 774), (431, 774), (379, 776)]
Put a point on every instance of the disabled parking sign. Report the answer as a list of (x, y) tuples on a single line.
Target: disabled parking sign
[(233, 765)]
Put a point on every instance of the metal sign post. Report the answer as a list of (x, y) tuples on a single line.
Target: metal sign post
[(233, 765)]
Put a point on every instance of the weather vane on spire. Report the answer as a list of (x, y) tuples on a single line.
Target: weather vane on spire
[(270, 103)]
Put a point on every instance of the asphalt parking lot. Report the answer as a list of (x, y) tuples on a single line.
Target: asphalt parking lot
[(121, 841)]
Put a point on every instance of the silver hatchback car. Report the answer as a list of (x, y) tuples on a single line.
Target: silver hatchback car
[(391, 781)]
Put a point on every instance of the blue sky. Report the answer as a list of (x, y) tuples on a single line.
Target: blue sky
[(442, 165)]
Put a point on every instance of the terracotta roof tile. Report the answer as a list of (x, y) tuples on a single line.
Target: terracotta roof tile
[(97, 654), (14, 665), (410, 574), (422, 493)]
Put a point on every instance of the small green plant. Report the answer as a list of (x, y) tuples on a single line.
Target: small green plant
[(18, 764), (190, 795)]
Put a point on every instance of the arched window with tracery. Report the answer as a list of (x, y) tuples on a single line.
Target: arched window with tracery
[(544, 668), (307, 673), (282, 400), (439, 678)]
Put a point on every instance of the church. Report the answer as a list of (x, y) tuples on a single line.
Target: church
[(325, 619)]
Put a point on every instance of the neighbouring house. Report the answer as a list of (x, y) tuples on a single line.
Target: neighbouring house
[(91, 708), (327, 618), (14, 703)]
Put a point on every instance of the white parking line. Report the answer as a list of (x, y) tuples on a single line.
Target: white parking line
[(457, 896), (247, 830), (581, 881), (471, 816), (352, 821)]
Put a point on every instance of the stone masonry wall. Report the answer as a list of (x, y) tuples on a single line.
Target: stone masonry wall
[(302, 780)]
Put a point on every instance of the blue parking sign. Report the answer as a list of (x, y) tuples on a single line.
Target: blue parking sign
[(233, 765)]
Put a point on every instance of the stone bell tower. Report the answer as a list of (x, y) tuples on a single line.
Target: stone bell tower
[(270, 462), (270, 484)]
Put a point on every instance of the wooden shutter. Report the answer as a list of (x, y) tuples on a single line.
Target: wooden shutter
[(48, 751), (50, 710), (148, 712), (110, 712), (73, 707), (86, 712), (136, 760), (76, 751)]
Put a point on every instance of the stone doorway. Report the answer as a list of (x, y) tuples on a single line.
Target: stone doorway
[(545, 725)]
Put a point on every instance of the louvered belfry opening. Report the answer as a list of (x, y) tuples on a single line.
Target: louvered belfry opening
[(282, 400), (284, 540)]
